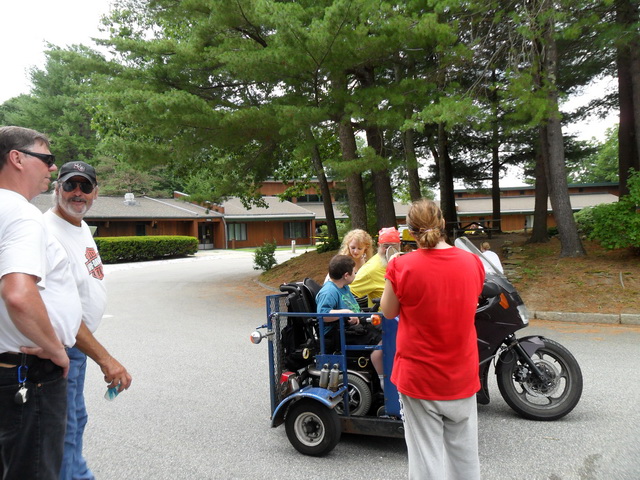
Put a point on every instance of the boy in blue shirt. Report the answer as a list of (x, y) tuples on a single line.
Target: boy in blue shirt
[(335, 297)]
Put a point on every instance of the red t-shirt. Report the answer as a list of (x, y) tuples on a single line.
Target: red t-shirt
[(436, 347)]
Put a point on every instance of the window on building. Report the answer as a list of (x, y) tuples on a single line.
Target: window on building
[(237, 231), (309, 198), (295, 230), (141, 229), (341, 196)]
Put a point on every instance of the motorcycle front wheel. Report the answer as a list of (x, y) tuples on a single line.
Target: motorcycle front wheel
[(525, 393)]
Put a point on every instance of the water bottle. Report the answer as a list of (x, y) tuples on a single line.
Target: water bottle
[(324, 376), (111, 393), (334, 377)]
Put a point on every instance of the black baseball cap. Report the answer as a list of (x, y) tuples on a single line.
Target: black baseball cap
[(77, 169)]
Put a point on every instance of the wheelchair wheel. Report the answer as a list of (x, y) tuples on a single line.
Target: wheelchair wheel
[(360, 397)]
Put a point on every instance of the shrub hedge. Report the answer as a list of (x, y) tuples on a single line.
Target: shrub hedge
[(615, 225), (264, 257), (135, 249)]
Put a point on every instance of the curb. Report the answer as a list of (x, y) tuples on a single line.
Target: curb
[(267, 287), (608, 318)]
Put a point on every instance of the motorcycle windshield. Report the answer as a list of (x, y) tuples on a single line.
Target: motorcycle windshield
[(465, 244)]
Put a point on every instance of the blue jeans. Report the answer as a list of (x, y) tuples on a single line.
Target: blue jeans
[(74, 465), (32, 434)]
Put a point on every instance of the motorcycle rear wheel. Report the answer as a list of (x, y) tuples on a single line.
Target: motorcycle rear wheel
[(528, 396)]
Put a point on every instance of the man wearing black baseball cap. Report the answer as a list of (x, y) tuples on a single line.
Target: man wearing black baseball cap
[(74, 193), (77, 169)]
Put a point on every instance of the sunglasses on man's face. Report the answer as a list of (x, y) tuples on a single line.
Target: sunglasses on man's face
[(47, 158), (71, 185)]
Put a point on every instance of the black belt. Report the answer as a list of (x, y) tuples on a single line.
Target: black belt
[(40, 369)]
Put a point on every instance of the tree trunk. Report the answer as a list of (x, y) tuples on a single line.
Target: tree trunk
[(408, 142), (316, 160), (571, 245), (539, 233), (385, 210), (445, 174), (411, 161), (635, 84), (495, 158), (629, 123), (383, 193), (348, 147), (355, 188)]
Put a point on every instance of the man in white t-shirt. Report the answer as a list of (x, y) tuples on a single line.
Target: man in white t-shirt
[(74, 193), (40, 314)]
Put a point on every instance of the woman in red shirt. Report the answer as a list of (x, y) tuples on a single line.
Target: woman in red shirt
[(435, 291)]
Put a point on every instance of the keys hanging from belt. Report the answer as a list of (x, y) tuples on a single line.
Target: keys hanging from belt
[(22, 393)]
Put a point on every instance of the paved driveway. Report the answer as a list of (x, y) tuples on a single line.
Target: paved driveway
[(198, 407)]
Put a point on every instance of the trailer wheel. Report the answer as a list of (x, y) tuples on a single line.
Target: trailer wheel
[(312, 428)]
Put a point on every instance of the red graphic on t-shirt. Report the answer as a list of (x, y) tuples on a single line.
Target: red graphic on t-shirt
[(94, 263)]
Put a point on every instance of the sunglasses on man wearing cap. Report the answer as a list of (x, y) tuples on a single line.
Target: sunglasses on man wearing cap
[(71, 185), (47, 158)]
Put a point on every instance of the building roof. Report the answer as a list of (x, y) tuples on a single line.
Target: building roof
[(276, 210), (116, 208), (401, 209), (318, 210), (532, 187), (525, 204)]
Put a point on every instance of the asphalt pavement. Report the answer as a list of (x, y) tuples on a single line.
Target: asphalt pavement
[(198, 407)]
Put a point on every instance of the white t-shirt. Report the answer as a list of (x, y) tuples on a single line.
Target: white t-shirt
[(86, 266), (494, 259), (26, 248)]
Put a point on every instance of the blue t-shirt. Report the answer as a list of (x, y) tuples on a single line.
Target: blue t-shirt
[(331, 297)]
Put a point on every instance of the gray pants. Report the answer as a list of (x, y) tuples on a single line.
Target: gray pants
[(442, 438)]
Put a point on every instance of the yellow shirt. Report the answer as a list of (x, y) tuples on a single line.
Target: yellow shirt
[(370, 279)]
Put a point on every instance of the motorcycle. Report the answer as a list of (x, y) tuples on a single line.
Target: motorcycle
[(318, 393), (537, 377)]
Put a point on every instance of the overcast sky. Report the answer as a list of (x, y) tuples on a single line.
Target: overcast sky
[(29, 24)]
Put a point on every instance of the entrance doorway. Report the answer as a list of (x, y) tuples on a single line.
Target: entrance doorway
[(205, 236)]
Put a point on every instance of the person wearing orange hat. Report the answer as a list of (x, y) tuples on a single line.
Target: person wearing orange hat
[(370, 278)]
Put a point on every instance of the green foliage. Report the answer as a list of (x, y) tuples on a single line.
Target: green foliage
[(227, 94), (117, 178), (136, 249), (58, 106), (264, 257), (326, 244), (585, 221), (600, 166), (615, 225)]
